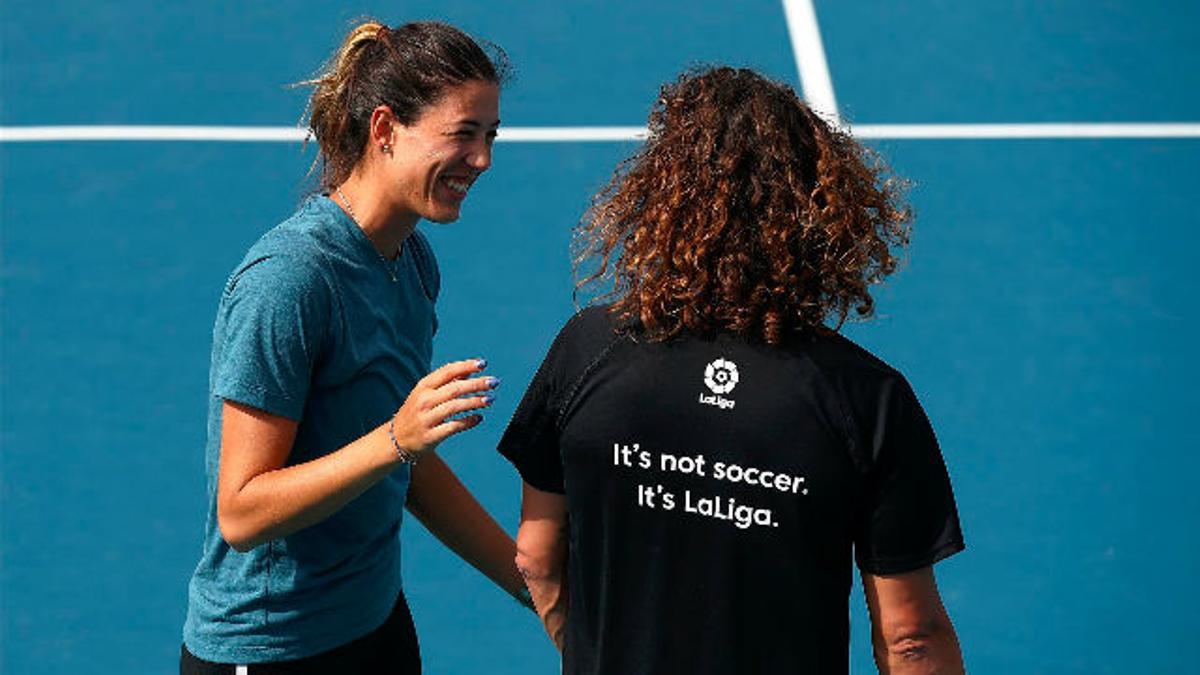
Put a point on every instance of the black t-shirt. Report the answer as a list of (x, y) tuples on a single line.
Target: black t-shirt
[(716, 490)]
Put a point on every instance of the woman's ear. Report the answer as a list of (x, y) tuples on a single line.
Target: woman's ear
[(383, 129)]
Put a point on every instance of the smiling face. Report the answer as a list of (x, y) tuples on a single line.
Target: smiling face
[(434, 161)]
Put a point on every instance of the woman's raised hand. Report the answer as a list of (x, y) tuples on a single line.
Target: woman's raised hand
[(428, 415)]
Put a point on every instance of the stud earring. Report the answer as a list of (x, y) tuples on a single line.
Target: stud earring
[(387, 149)]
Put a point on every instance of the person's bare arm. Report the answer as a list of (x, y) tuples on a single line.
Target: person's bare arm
[(440, 501), (259, 499), (542, 556), (910, 629)]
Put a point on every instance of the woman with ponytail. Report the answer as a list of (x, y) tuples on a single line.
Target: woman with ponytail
[(703, 456), (323, 410)]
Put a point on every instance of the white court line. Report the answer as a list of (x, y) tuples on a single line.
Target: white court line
[(33, 134), (810, 57), (555, 134), (1036, 130), (282, 134), (1066, 130)]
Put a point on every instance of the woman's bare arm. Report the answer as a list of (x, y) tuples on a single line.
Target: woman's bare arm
[(441, 502), (259, 499)]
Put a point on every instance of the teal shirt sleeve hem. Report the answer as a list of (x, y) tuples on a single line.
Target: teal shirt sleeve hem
[(259, 397)]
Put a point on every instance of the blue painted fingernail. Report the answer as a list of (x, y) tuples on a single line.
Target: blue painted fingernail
[(488, 398), (492, 382), (480, 364)]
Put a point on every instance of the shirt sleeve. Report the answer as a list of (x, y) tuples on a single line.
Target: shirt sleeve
[(275, 313), (907, 517), (531, 441)]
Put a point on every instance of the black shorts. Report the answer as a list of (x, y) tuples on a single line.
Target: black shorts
[(392, 648)]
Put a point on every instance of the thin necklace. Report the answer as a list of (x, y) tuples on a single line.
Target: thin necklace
[(387, 264)]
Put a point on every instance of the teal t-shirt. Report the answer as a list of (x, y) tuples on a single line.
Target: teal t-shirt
[(316, 326)]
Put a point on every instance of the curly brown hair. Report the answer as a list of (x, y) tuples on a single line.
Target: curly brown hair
[(743, 212)]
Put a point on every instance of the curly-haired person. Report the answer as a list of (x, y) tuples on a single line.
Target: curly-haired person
[(703, 457)]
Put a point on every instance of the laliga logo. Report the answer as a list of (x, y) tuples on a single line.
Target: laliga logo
[(721, 377)]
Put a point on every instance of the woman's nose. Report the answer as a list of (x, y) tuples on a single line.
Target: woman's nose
[(480, 158)]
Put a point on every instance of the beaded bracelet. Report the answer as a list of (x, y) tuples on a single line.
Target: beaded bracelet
[(406, 456)]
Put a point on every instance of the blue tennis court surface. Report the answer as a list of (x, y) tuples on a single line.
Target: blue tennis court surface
[(1045, 314)]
